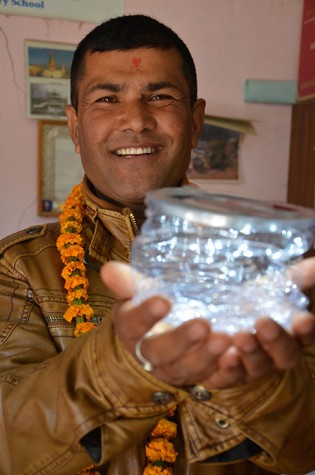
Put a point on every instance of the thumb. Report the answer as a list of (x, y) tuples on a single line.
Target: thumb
[(117, 276), (304, 272)]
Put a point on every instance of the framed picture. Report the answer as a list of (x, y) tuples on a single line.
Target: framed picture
[(216, 156), (47, 79), (60, 167)]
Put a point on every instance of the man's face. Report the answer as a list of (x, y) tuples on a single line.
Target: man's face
[(135, 126)]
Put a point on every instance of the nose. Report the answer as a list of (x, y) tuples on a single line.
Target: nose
[(137, 117)]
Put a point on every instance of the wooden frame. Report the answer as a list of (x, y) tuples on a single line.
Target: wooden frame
[(217, 155), (47, 79), (60, 168)]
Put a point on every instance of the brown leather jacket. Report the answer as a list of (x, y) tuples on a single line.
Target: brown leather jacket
[(57, 392)]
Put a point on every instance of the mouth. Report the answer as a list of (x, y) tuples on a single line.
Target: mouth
[(135, 151)]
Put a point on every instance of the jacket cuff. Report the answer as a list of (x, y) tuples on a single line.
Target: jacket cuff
[(130, 390)]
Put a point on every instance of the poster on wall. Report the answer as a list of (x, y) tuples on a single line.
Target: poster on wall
[(217, 156), (60, 168), (90, 11), (47, 79), (306, 82)]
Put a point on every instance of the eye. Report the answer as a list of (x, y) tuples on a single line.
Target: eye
[(161, 97), (107, 99)]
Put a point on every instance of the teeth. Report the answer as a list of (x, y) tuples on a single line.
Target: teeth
[(135, 151)]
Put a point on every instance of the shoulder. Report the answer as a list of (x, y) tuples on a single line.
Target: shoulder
[(30, 240)]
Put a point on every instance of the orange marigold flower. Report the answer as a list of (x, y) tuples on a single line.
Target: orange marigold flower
[(73, 202), (72, 251), (83, 327), (172, 412), (73, 267), (91, 469), (71, 214), (74, 226), (83, 310), (69, 238), (76, 281), (80, 294), (165, 428), (160, 449), (156, 470), (75, 196)]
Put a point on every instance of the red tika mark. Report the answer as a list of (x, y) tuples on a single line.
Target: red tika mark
[(136, 62)]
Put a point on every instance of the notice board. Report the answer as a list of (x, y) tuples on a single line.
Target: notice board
[(306, 81)]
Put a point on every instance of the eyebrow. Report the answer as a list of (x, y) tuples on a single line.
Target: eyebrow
[(112, 87), (155, 86), (104, 87)]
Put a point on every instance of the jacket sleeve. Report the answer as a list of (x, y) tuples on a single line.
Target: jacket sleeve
[(51, 400), (277, 413)]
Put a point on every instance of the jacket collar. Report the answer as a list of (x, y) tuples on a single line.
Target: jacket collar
[(112, 228)]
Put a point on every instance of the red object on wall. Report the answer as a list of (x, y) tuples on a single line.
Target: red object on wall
[(306, 82)]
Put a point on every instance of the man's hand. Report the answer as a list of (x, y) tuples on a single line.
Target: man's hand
[(182, 356), (192, 353)]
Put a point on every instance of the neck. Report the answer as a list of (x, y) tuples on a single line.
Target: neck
[(138, 209)]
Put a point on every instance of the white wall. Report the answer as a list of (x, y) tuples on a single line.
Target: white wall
[(231, 41)]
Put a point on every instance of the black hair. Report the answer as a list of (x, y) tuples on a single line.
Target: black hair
[(130, 32)]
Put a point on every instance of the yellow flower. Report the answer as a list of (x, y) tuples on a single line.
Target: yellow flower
[(71, 253), (68, 238), (76, 281), (73, 268), (74, 311), (165, 428), (80, 294), (73, 226), (172, 412), (70, 215), (83, 327), (89, 470), (156, 470), (160, 449)]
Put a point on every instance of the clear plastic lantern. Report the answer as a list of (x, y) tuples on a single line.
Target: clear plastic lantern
[(223, 258)]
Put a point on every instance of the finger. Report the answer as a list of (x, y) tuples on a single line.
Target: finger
[(195, 363), (118, 277), (132, 322), (303, 326), (304, 273), (230, 371), (165, 348), (283, 349), (255, 360), (227, 378)]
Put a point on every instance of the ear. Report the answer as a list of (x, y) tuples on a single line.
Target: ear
[(198, 117), (73, 126)]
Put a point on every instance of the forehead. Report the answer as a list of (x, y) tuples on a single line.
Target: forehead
[(145, 61)]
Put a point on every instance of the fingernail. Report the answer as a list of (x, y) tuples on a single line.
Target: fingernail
[(249, 346), (307, 327), (197, 331), (217, 346), (160, 307), (269, 330)]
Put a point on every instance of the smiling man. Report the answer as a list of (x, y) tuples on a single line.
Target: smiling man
[(82, 391), (134, 121)]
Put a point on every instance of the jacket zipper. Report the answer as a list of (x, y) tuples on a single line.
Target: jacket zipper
[(134, 224)]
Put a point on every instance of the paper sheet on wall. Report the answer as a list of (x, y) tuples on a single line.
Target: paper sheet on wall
[(240, 125), (90, 11)]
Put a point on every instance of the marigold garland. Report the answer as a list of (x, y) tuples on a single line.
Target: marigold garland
[(70, 246), (160, 451), (89, 470)]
